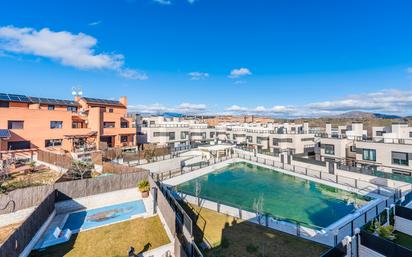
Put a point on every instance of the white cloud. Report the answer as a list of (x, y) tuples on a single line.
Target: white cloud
[(133, 74), (75, 50), (94, 23), (163, 2), (196, 75), (185, 108), (236, 73), (191, 107), (191, 1), (262, 110), (236, 108)]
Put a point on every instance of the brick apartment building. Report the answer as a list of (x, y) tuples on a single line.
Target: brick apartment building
[(63, 125)]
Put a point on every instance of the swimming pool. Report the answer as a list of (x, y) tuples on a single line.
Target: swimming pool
[(284, 196), (88, 219)]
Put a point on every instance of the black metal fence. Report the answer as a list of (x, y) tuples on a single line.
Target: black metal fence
[(383, 246), (184, 225), (403, 212)]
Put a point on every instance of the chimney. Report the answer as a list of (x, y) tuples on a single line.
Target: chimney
[(123, 100), (305, 127), (328, 129)]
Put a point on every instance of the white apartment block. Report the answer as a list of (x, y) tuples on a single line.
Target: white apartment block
[(271, 138), (388, 149)]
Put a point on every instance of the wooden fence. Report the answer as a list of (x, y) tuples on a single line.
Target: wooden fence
[(28, 197), (114, 168), (61, 160), (22, 236)]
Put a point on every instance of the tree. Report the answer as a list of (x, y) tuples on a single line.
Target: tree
[(80, 170), (198, 189), (4, 172), (150, 153), (258, 208)]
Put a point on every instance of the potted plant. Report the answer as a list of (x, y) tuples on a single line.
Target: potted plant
[(144, 188)]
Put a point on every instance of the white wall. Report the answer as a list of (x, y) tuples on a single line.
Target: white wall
[(403, 225)]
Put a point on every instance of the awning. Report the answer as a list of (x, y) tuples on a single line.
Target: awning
[(90, 134), (5, 133)]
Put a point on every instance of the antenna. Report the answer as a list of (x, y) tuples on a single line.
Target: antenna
[(77, 91)]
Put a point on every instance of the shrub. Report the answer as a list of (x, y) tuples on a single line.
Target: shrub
[(143, 186)]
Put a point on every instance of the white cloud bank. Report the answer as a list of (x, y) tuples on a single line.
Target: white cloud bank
[(390, 101), (75, 50)]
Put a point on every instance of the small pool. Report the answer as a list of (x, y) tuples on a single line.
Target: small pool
[(284, 196), (88, 219)]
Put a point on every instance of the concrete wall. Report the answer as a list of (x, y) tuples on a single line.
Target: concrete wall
[(166, 165)]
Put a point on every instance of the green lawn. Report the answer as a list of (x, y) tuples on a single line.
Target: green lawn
[(233, 237), (403, 239), (113, 240)]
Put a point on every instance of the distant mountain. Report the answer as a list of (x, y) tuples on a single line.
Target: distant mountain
[(365, 115)]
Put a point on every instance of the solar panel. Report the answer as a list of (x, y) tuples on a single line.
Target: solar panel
[(40, 100), (102, 101)]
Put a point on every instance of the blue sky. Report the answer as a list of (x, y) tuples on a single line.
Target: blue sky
[(278, 58)]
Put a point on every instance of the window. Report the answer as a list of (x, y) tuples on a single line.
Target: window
[(401, 172), (124, 124), (329, 149), (369, 155), (410, 134), (307, 139), (50, 107), (124, 139), (18, 145), (53, 142), (110, 109), (399, 158), (156, 134), (380, 133), (172, 136), (352, 148), (212, 134), (184, 134), (15, 124), (108, 124), (72, 108), (56, 124), (4, 105)]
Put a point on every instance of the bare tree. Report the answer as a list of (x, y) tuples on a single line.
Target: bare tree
[(198, 189), (258, 208), (4, 171), (80, 170), (150, 153)]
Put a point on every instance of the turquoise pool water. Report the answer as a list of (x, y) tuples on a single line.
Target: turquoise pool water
[(284, 196), (88, 219)]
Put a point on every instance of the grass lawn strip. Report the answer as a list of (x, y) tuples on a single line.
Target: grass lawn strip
[(114, 240)]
